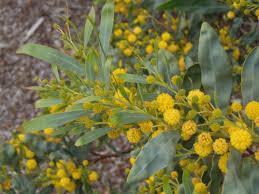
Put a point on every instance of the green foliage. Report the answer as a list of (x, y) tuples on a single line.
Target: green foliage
[(250, 78), (216, 73), (52, 120), (157, 154), (187, 182)]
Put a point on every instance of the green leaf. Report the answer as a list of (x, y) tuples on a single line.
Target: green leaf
[(157, 154), (52, 120), (88, 99), (133, 78), (123, 117), (106, 69), (215, 177), (192, 78), (166, 186), (42, 103), (187, 182), (250, 77), (91, 63), (89, 26), (54, 69), (242, 176), (216, 69), (52, 56), (106, 25), (202, 6), (90, 136)]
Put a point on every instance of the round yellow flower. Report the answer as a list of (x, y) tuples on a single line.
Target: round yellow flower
[(174, 174), (132, 38), (85, 162), (114, 134), (236, 107), (202, 150), (65, 181), (256, 121), (252, 110), (187, 48), (146, 127), (93, 176), (132, 160), (116, 73), (118, 32), (150, 79), (21, 137), (162, 44), (70, 187), (128, 52), (28, 153), (200, 188), (222, 163), (166, 36), (164, 102), (133, 135), (149, 49), (231, 15), (31, 164), (76, 174), (181, 63), (240, 139), (257, 155), (173, 48), (172, 116), (205, 139), (189, 128), (137, 30), (6, 184), (61, 173), (220, 146), (195, 95)]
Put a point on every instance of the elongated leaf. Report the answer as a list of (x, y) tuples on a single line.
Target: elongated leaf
[(133, 78), (89, 26), (157, 154), (106, 69), (250, 77), (52, 120), (42, 103), (52, 56), (215, 177), (216, 70), (90, 136), (202, 6), (106, 25), (54, 69), (166, 186), (242, 175), (88, 99), (192, 78), (91, 63), (122, 117), (187, 182)]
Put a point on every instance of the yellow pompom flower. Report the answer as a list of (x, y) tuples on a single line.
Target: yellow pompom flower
[(31, 164), (118, 32), (252, 110), (231, 15), (6, 184), (132, 38), (202, 150), (133, 135), (241, 139), (70, 187), (132, 160), (65, 181), (137, 30), (166, 36), (28, 153), (222, 163), (205, 139), (200, 188), (257, 155), (174, 174), (149, 49), (48, 131), (61, 173), (116, 73), (195, 94), (93, 176), (256, 121), (220, 146), (150, 79), (164, 102), (85, 162), (146, 126), (114, 134), (162, 44), (128, 52), (76, 174), (187, 48), (172, 116), (236, 107), (21, 137), (173, 48), (189, 128)]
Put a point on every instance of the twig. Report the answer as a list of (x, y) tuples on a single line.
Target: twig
[(34, 27)]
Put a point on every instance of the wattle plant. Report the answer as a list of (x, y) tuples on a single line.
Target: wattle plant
[(191, 131)]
